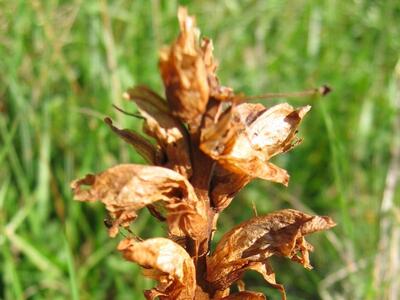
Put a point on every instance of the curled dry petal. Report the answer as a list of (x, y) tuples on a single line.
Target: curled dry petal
[(248, 135), (245, 295), (219, 132), (250, 244), (126, 188), (217, 91), (187, 219), (184, 72), (160, 124), (148, 151), (224, 186), (269, 275), (166, 262)]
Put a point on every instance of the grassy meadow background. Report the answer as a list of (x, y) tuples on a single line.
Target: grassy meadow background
[(64, 63)]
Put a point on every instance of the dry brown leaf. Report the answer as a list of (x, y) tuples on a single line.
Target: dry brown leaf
[(148, 151), (245, 138), (250, 244), (166, 262), (126, 188), (160, 124)]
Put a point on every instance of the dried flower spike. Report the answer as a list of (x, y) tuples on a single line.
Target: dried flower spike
[(208, 144)]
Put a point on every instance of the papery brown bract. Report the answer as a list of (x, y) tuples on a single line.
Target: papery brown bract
[(246, 137), (170, 134), (184, 72), (250, 244), (149, 152), (166, 262), (217, 91), (124, 189)]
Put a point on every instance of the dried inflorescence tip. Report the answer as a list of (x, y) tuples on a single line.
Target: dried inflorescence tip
[(206, 143)]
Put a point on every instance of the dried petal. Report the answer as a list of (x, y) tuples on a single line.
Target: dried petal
[(250, 244), (266, 271), (217, 91), (160, 124), (149, 152), (273, 131), (224, 187), (244, 139), (165, 261), (245, 295), (124, 189), (187, 219), (218, 136), (184, 72)]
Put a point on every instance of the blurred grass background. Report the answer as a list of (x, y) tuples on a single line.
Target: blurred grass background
[(62, 65)]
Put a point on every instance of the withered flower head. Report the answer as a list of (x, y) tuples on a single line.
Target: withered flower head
[(248, 135), (250, 244), (204, 144), (124, 189)]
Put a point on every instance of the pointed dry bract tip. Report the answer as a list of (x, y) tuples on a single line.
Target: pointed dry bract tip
[(189, 32), (303, 110), (317, 223), (285, 179), (182, 16)]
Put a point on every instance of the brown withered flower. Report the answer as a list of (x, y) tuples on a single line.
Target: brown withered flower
[(209, 143)]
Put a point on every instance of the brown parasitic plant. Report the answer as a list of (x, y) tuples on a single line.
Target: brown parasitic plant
[(209, 144)]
